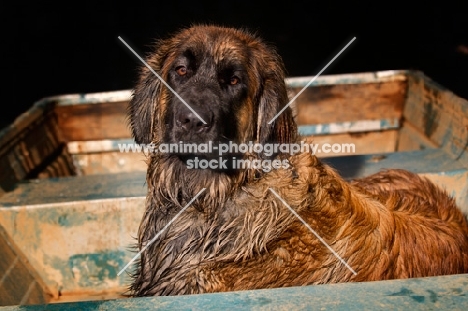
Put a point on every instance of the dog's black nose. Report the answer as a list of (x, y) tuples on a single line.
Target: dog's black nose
[(189, 121)]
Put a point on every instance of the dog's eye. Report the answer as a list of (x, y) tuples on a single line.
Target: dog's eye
[(181, 70), (234, 80)]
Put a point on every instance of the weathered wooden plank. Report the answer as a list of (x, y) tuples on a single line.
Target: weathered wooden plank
[(348, 78), (433, 293), (22, 122), (88, 98), (411, 138), (97, 146), (109, 162), (354, 143), (78, 188), (350, 102), (439, 114), (35, 146), (106, 156), (61, 165), (92, 121)]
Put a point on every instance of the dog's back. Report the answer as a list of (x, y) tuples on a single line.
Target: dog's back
[(390, 225), (431, 233)]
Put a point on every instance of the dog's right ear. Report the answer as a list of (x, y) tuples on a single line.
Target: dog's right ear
[(144, 112), (143, 106)]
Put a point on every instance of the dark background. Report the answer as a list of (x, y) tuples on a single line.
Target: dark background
[(51, 50)]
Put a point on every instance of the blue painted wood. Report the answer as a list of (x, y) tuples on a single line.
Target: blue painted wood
[(420, 161), (433, 293), (440, 167), (76, 188), (349, 127)]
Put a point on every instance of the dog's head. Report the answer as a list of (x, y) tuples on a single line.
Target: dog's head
[(214, 84)]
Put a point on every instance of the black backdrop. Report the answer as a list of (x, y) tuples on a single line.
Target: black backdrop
[(50, 50)]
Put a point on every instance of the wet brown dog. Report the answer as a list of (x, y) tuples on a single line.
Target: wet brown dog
[(237, 234)]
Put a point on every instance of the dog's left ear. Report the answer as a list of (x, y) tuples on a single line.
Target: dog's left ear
[(273, 98)]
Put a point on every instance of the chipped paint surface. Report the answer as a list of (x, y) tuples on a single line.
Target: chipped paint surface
[(77, 246), (97, 269)]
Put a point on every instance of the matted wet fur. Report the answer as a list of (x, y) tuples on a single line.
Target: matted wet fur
[(237, 234)]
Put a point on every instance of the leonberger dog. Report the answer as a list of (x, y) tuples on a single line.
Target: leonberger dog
[(227, 228)]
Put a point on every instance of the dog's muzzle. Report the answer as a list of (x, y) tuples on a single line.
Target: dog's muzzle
[(189, 122)]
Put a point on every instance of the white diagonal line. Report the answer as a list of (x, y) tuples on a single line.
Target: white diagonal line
[(8, 271), (162, 80), (311, 81), (313, 231), (28, 293), (159, 233)]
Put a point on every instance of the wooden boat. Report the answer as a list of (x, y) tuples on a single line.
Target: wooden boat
[(71, 201)]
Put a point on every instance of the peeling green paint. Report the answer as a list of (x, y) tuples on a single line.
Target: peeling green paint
[(69, 219), (432, 295), (403, 292), (91, 270), (419, 299)]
